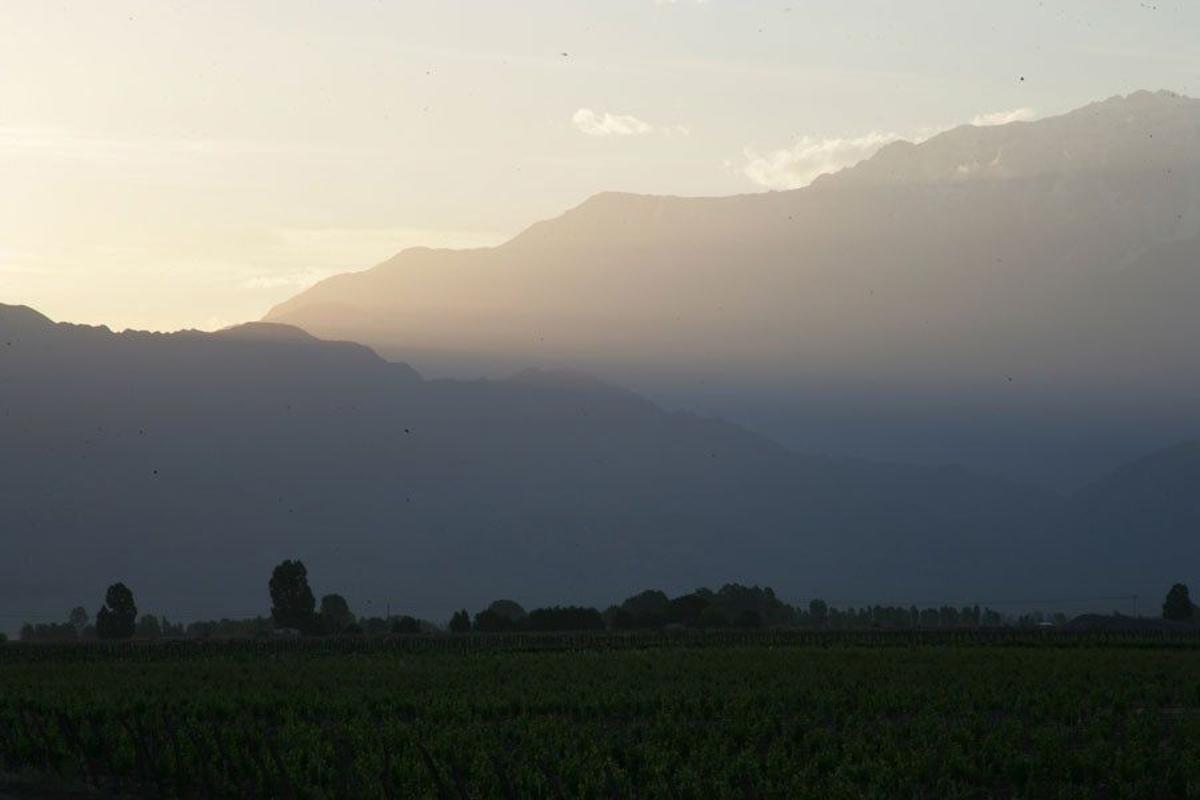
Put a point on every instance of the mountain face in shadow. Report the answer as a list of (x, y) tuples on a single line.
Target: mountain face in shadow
[(992, 295), (1141, 520), (188, 464)]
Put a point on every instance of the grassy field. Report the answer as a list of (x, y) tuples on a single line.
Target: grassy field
[(748, 715)]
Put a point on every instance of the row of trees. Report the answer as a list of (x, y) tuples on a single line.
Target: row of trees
[(733, 606), (294, 609), (506, 616), (116, 619), (80, 626)]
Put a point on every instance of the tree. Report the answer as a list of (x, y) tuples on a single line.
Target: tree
[(406, 625), (117, 618), (687, 608), (48, 632), (292, 601), (648, 609), (620, 618), (1178, 605), (460, 622), (78, 618), (748, 618), (335, 614), (509, 609), (564, 618), (711, 617), (148, 627), (500, 616), (490, 621), (734, 600)]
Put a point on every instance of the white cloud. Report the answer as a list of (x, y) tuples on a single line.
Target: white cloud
[(592, 124), (1004, 117), (800, 164)]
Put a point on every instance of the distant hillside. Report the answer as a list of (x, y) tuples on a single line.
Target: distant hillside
[(188, 464), (995, 295), (1141, 521)]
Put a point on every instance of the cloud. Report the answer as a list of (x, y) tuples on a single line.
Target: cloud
[(800, 164), (1004, 117), (590, 123)]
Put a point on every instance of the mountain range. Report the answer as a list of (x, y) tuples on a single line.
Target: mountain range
[(188, 464), (1020, 298)]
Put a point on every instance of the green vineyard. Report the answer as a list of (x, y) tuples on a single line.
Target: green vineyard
[(824, 715)]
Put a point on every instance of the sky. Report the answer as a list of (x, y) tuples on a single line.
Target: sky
[(168, 165)]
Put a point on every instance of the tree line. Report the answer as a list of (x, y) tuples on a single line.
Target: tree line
[(295, 611)]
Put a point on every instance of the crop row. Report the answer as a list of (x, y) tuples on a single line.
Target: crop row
[(750, 720)]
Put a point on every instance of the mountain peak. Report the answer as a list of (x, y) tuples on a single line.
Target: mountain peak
[(1142, 98), (1137, 131)]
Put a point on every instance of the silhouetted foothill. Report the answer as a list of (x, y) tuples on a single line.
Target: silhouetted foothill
[(563, 485)]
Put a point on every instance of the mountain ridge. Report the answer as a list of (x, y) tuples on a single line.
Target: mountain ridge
[(606, 199), (184, 463), (187, 465), (813, 314)]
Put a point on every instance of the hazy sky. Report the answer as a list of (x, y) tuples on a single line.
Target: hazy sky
[(168, 165)]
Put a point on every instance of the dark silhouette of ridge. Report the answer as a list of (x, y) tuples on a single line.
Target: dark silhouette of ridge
[(18, 318), (189, 463), (266, 332), (1140, 518)]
